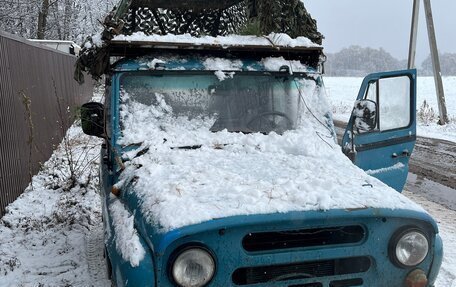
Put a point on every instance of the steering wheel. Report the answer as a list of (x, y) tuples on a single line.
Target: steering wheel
[(272, 125)]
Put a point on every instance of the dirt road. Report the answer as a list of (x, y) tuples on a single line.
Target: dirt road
[(435, 160)]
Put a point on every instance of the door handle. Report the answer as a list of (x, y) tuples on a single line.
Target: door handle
[(405, 153)]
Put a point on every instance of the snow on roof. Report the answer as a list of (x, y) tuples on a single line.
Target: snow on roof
[(276, 40), (242, 174)]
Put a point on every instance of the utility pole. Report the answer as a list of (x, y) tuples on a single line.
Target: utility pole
[(414, 34), (436, 64)]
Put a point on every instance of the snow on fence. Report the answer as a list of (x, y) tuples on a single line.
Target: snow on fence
[(38, 99)]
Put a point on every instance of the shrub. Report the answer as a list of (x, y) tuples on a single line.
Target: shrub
[(426, 114)]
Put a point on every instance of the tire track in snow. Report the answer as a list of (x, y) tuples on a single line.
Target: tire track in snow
[(95, 255)]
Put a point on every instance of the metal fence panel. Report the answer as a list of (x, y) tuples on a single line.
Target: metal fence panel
[(43, 77)]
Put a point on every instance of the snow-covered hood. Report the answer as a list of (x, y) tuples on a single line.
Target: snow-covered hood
[(218, 175), (177, 188)]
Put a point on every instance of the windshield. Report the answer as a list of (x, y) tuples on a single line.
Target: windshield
[(236, 102)]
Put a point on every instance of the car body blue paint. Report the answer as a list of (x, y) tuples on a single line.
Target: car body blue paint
[(223, 237), (190, 64), (123, 273)]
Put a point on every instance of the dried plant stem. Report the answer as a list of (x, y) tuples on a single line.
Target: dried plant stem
[(28, 114)]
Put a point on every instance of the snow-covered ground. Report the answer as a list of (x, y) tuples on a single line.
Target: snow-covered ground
[(50, 236), (342, 93)]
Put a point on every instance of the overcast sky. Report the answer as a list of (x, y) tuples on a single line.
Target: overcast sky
[(385, 23)]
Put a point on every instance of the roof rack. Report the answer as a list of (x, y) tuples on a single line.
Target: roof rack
[(257, 48), (274, 42), (118, 48)]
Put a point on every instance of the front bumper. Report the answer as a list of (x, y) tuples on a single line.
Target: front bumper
[(362, 262)]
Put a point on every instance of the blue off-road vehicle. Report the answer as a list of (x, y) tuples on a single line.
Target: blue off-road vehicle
[(221, 167)]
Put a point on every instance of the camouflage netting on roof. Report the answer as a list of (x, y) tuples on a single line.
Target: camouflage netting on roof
[(175, 21), (195, 17)]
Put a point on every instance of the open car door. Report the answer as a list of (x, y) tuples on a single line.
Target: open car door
[(381, 133)]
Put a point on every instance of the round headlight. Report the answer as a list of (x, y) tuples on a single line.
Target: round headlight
[(411, 248), (193, 268)]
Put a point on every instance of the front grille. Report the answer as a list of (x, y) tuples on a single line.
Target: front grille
[(347, 283), (266, 241), (308, 285), (305, 270)]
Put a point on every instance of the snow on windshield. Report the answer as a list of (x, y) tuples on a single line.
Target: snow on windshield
[(245, 103), (226, 174)]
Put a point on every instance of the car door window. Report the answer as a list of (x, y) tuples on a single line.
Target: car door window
[(392, 96), (371, 93), (394, 103)]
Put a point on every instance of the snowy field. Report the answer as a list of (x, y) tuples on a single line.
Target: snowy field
[(342, 93), (51, 235)]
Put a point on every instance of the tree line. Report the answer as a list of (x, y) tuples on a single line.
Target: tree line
[(53, 19), (356, 61)]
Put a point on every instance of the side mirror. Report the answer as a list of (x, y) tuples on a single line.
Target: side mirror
[(92, 119), (365, 115)]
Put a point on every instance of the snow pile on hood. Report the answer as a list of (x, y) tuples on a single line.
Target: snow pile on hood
[(272, 40), (228, 174)]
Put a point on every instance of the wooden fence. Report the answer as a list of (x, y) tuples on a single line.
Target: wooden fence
[(35, 82)]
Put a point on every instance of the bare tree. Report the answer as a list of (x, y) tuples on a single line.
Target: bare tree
[(42, 19), (19, 17), (53, 19)]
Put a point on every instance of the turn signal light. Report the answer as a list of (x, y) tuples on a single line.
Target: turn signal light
[(116, 191), (416, 278)]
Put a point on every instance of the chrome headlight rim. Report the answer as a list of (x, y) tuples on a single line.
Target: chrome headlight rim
[(185, 248), (395, 239)]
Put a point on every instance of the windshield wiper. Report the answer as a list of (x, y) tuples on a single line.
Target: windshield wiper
[(135, 146), (188, 147), (194, 147)]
